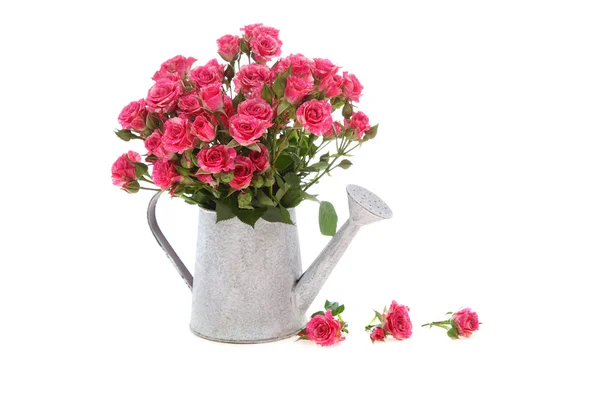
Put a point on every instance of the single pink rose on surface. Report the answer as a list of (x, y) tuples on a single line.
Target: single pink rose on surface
[(257, 108), (177, 67), (228, 47), (189, 105), (467, 322), (123, 170), (323, 67), (212, 97), (324, 330), (359, 122), (208, 74), (352, 88), (203, 129), (246, 129), (219, 158), (155, 146), (397, 321), (134, 115), (260, 158), (460, 325), (296, 89), (377, 335), (315, 116), (163, 96), (164, 174), (242, 173), (251, 78), (178, 137), (331, 86), (265, 47)]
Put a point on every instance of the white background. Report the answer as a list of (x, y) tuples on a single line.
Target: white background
[(488, 153)]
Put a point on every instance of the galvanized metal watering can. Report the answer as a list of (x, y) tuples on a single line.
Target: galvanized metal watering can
[(248, 285)]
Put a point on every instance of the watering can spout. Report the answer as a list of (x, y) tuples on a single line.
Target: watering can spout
[(365, 208)]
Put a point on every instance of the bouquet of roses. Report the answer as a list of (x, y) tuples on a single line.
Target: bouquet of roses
[(244, 138)]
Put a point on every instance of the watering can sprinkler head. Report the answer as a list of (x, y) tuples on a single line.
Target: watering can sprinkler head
[(366, 207)]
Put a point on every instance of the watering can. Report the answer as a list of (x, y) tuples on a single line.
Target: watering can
[(248, 285)]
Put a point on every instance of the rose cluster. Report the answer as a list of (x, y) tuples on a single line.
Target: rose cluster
[(394, 322), (243, 134)]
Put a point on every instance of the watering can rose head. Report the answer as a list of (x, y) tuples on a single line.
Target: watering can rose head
[(244, 137)]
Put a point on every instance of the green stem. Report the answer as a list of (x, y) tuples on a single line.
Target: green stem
[(154, 190), (441, 324)]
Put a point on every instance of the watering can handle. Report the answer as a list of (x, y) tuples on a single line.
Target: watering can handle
[(164, 243)]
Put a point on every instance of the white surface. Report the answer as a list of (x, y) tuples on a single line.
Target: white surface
[(488, 154)]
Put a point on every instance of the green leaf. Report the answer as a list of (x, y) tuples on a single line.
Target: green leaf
[(345, 164), (338, 310), (371, 133), (337, 102), (267, 94), (452, 333), (264, 199), (280, 182), (318, 313), (324, 157), (244, 46), (250, 216), (279, 86), (253, 147), (183, 171), (225, 209), (292, 197), (277, 214), (140, 170), (283, 161), (285, 215), (284, 105), (126, 135), (327, 218), (233, 143), (319, 165), (379, 316), (280, 193), (309, 197), (292, 179)]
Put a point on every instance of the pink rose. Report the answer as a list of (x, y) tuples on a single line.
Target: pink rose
[(378, 334), (123, 170), (252, 31), (177, 137), (245, 129), (296, 89), (260, 158), (324, 330), (315, 116), (251, 78), (212, 97), (397, 321), (229, 47), (208, 74), (352, 88), (302, 67), (334, 131), (217, 158), (164, 174), (134, 115), (257, 108), (163, 96), (265, 46), (155, 145), (203, 129), (206, 178), (332, 85), (466, 321), (360, 122), (177, 67), (242, 173), (189, 105), (323, 67)]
